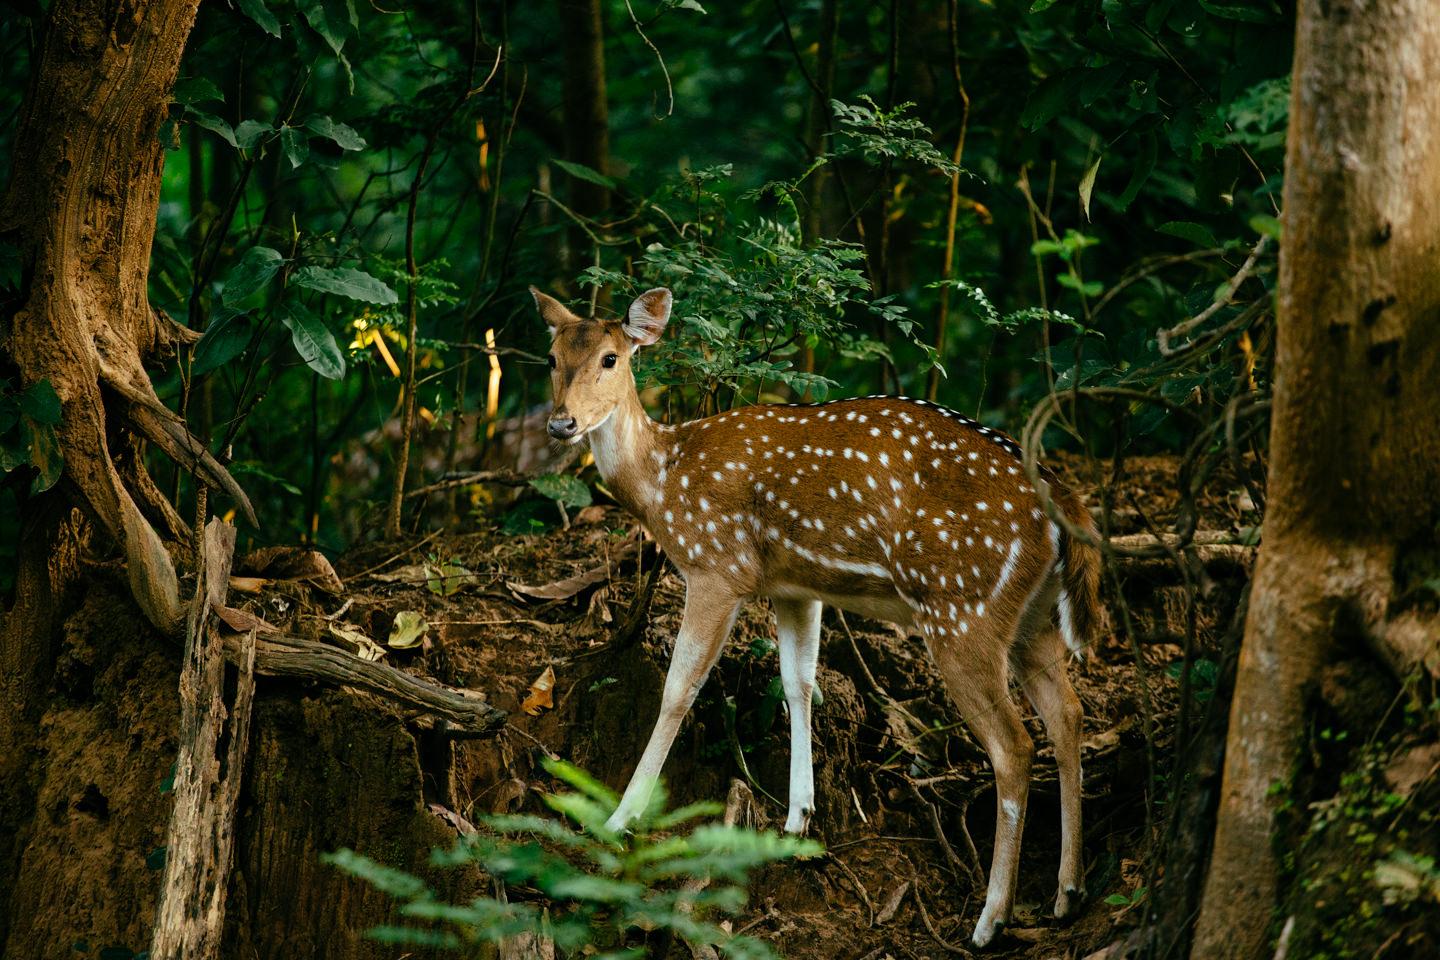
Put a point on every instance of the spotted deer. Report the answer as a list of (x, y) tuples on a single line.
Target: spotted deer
[(892, 508)]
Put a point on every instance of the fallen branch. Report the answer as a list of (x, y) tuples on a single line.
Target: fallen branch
[(463, 712)]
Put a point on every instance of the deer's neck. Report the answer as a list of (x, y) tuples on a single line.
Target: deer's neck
[(623, 446)]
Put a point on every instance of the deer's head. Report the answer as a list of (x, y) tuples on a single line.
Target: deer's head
[(590, 359)]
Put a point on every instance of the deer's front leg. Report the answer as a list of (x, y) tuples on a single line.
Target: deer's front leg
[(797, 628), (710, 609)]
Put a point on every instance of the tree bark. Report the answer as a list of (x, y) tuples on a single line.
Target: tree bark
[(214, 738), (1355, 470), (81, 208), (587, 112)]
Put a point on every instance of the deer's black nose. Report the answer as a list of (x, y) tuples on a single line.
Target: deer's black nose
[(562, 428)]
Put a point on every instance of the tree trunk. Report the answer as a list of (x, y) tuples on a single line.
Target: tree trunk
[(817, 124), (81, 208), (587, 112), (1355, 470)]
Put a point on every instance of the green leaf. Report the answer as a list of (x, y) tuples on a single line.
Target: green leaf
[(1252, 11), (690, 5), (214, 124), (1087, 185), (1118, 900), (296, 145), (343, 136), (223, 340), (250, 132), (573, 776), (1047, 100), (46, 457), (1040, 6), (1266, 225), (1144, 166), (1196, 233), (563, 488), (346, 282), (264, 19), (190, 90), (313, 340), (253, 271), (41, 404), (581, 172), (1091, 288), (325, 23), (408, 630), (397, 883)]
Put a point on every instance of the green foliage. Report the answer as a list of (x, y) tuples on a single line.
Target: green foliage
[(883, 136), (563, 489), (802, 269), (596, 889), (28, 418)]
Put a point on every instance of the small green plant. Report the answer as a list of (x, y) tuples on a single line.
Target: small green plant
[(1127, 900), (597, 889)]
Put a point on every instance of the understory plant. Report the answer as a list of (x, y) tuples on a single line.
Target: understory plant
[(589, 890)]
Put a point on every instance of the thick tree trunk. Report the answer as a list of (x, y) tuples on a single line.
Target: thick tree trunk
[(1355, 470), (81, 208)]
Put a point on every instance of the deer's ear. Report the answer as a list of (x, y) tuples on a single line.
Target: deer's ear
[(647, 316), (552, 311)]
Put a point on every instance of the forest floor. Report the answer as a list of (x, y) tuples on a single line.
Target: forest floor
[(898, 778), (900, 783)]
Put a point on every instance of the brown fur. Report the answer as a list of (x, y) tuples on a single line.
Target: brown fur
[(894, 508)]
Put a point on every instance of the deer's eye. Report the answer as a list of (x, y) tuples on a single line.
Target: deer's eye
[(608, 360), (552, 361)]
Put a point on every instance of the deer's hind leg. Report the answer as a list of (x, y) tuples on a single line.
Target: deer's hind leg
[(1040, 662), (971, 656)]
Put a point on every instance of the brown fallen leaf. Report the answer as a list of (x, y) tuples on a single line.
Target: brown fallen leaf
[(591, 514), (248, 584), (293, 563), (563, 589), (361, 644), (462, 826), (542, 693), (410, 573), (242, 621)]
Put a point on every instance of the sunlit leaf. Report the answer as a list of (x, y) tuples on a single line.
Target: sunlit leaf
[(346, 282), (408, 630), (1087, 184)]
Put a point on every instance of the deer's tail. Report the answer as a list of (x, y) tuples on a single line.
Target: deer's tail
[(1078, 603)]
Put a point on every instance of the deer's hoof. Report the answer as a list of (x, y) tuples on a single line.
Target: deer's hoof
[(1068, 902), (799, 820)]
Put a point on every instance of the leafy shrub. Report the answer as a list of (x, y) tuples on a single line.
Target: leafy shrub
[(596, 887)]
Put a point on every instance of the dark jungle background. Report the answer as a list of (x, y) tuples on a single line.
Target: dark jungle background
[(1060, 217), (841, 195)]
